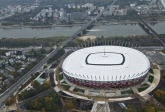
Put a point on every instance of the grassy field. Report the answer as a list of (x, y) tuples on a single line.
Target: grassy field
[(151, 78), (66, 87), (60, 76), (151, 71), (127, 92), (78, 90), (142, 89)]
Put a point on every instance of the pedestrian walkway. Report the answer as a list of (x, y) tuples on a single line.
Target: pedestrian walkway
[(86, 92), (61, 80), (151, 74), (100, 106), (102, 93), (56, 89), (149, 83), (146, 96), (153, 85), (118, 92), (135, 90), (71, 88)]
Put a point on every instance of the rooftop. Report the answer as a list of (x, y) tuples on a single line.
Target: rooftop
[(106, 63)]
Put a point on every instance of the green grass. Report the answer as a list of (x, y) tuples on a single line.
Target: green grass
[(142, 89), (66, 87), (78, 90), (127, 92), (151, 71), (60, 76), (151, 78)]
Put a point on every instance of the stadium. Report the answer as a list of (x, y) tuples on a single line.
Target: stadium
[(106, 67)]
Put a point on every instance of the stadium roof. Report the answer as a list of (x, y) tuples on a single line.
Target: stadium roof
[(106, 63)]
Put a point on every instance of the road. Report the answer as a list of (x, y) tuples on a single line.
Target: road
[(14, 88)]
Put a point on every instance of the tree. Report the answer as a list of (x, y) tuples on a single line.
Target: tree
[(46, 85), (10, 101), (161, 111), (42, 51), (36, 84), (150, 109), (130, 109), (69, 104), (43, 110), (51, 102), (48, 103), (160, 95)]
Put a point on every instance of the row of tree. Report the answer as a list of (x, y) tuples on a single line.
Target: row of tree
[(143, 40), (52, 102), (37, 53), (10, 101), (160, 95), (37, 88), (147, 107), (26, 42)]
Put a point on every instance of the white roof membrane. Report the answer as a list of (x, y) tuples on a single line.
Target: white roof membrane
[(115, 64)]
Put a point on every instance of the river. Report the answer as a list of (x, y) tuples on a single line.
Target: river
[(99, 30)]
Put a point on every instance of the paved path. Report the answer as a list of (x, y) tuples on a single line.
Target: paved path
[(146, 96), (86, 92), (71, 88), (151, 74), (135, 90), (149, 83), (154, 83), (61, 80), (118, 92), (56, 89), (102, 93)]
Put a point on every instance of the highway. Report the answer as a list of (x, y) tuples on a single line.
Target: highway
[(14, 88)]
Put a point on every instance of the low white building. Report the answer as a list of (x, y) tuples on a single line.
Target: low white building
[(132, 5)]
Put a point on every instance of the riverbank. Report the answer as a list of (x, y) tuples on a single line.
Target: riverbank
[(87, 37), (61, 25)]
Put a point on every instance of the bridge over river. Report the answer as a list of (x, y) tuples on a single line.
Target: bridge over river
[(146, 26)]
